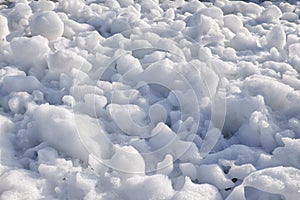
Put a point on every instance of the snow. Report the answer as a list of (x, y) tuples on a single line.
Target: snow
[(197, 191), (151, 187), (276, 38), (48, 118), (28, 53), (279, 180), (4, 28), (62, 61), (213, 174), (47, 24), (128, 160), (126, 99)]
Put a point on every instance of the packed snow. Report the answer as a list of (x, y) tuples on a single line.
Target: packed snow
[(149, 99)]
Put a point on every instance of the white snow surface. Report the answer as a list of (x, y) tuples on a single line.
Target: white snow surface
[(124, 99)]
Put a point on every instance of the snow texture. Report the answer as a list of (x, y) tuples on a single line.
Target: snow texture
[(124, 99)]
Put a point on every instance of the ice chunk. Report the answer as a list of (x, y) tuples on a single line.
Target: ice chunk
[(72, 28), (72, 7), (152, 187), (157, 113), (203, 24), (57, 170), (127, 63), (68, 100), (119, 25), (241, 171), (290, 17), (30, 52), (204, 54), (127, 160), (191, 190), (279, 137), (27, 186), (162, 136), (42, 5), (294, 50), (266, 131), (18, 16), (95, 101), (192, 6), (178, 25), (4, 31), (7, 149), (188, 169), (279, 180), (112, 4), (18, 102), (166, 76), (125, 3), (170, 13), (288, 155), (249, 133), (270, 14), (280, 67), (211, 138), (129, 118), (213, 12), (209, 79), (151, 6), (124, 96), (165, 166), (233, 22), (76, 135), (243, 41), (62, 61), (237, 193), (286, 7), (247, 8), (79, 91), (229, 54), (270, 89), (276, 37), (213, 174), (85, 183), (186, 151), (129, 67), (47, 155), (56, 126), (47, 24), (236, 114), (20, 84)]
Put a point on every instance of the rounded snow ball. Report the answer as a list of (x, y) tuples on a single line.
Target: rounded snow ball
[(47, 24)]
